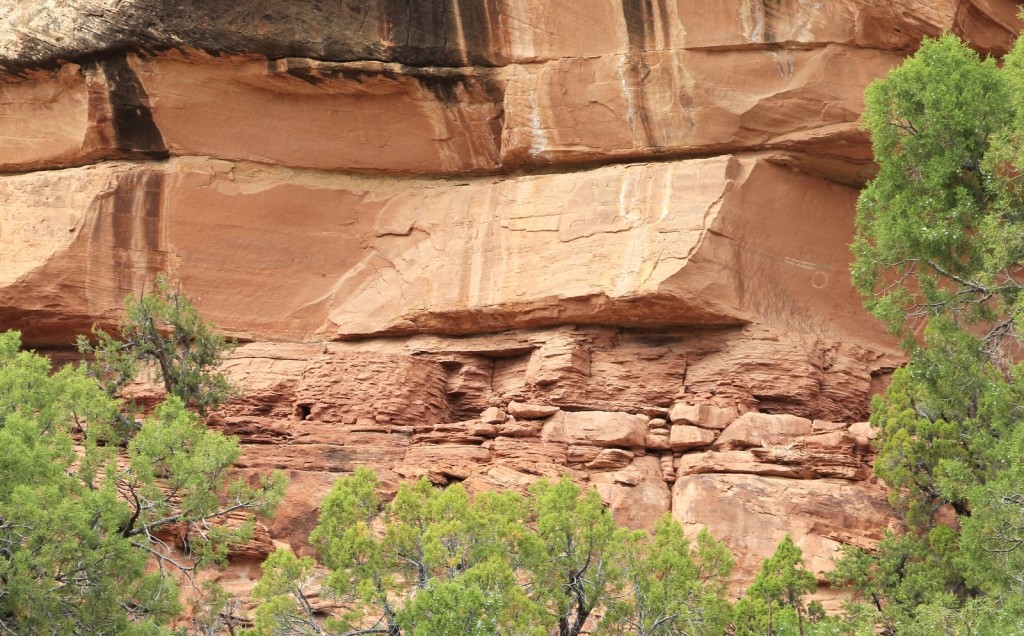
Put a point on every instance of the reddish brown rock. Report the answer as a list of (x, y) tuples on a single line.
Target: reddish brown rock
[(582, 453), (640, 212), (837, 454), (668, 471), (609, 111), (526, 453), (597, 428), (461, 34), (703, 415), (520, 428), (685, 437), (822, 426), (686, 413), (493, 415), (377, 241), (752, 514), (441, 462), (505, 476), (657, 439), (611, 459), (45, 119), (734, 462), (455, 433), (436, 120), (864, 429), (475, 90), (637, 494), (832, 455), (480, 429), (757, 429), (530, 411)]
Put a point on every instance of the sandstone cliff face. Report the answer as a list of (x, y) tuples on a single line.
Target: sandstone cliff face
[(484, 241)]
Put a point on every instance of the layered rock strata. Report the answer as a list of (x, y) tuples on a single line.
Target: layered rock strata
[(656, 428), (484, 242), (278, 253)]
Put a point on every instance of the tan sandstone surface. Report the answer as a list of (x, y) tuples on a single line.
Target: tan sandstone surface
[(485, 241)]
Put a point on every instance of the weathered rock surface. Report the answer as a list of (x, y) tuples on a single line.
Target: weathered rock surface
[(702, 415), (757, 429), (683, 437), (753, 513), (473, 33), (483, 242), (597, 429), (276, 253)]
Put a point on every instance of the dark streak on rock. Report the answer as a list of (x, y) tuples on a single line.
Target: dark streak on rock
[(666, 24), (443, 83), (425, 33), (131, 222), (774, 12), (416, 32), (480, 25), (358, 75), (495, 89), (639, 19), (637, 14), (300, 71), (152, 207), (444, 89), (137, 207), (134, 128)]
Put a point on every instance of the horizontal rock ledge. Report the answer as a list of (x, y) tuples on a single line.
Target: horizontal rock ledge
[(464, 32), (697, 242), (381, 117)]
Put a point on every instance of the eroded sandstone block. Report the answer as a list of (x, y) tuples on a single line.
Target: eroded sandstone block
[(641, 245), (493, 415), (611, 459), (463, 86), (531, 411), (703, 415), (752, 514), (757, 429), (684, 437), (637, 494), (520, 428), (597, 428), (657, 439)]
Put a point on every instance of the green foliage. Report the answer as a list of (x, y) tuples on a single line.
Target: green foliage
[(940, 240), (64, 564), (485, 600), (177, 475), (215, 611), (933, 226), (774, 604), (906, 572), (165, 330), (79, 519), (576, 565), (776, 595), (87, 505), (993, 533), (671, 588), (440, 564), (284, 607), (437, 562), (953, 452), (941, 423)]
